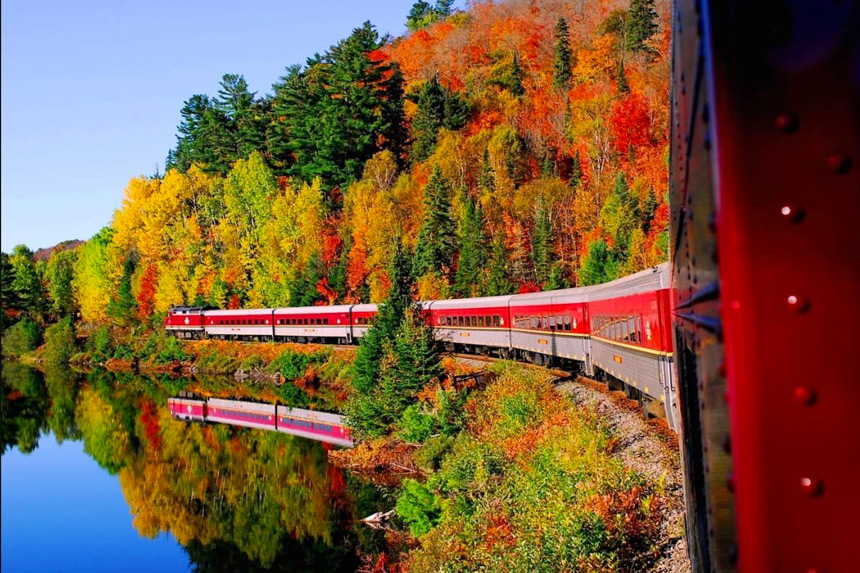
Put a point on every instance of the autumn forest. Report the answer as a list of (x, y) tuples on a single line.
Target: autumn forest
[(509, 147)]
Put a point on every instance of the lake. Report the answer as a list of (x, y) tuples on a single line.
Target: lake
[(97, 475)]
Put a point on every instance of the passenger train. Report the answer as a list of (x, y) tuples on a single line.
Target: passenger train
[(619, 331), (320, 426)]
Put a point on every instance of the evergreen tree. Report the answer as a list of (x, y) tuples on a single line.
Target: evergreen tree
[(366, 369), (27, 282), (516, 85), (619, 216), (472, 250), (487, 182), (422, 14), (598, 266), (649, 210), (556, 279), (641, 24), (123, 307), (497, 276), (562, 62), (508, 74), (429, 117), (434, 250), (623, 86), (456, 111), (335, 114), (542, 245)]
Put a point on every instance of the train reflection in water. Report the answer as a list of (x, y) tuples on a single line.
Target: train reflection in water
[(320, 426)]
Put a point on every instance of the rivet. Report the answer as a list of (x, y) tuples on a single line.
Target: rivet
[(787, 122), (811, 486), (805, 395), (797, 303), (839, 163), (791, 213)]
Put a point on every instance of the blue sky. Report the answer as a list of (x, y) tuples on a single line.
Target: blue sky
[(91, 91)]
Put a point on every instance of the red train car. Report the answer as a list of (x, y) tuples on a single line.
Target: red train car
[(187, 409), (320, 426), (249, 414), (473, 323), (314, 324)]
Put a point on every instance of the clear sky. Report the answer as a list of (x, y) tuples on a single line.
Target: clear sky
[(91, 90)]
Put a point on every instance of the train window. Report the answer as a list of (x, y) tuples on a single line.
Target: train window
[(624, 334), (567, 322), (496, 320), (473, 321), (552, 323), (481, 320)]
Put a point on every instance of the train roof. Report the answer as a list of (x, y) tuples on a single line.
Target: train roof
[(244, 311), (314, 309), (478, 302), (654, 278)]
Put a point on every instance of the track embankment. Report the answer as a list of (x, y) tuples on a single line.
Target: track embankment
[(649, 448)]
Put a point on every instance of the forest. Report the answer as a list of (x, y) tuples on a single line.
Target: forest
[(509, 147)]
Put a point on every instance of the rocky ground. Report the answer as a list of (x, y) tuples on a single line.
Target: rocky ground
[(649, 448)]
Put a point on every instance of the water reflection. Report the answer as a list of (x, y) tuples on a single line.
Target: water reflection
[(233, 497)]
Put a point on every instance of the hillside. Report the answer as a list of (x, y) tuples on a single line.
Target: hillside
[(515, 146)]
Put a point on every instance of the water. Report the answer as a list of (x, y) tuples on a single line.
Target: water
[(98, 476)]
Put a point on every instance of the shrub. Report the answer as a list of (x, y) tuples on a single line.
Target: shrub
[(22, 337), (100, 344), (60, 342), (253, 362), (416, 425), (429, 455), (418, 507), (293, 365), (172, 352)]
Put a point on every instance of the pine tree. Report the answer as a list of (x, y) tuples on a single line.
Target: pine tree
[(497, 276), (434, 250), (642, 24), (556, 278), (429, 117), (8, 296), (562, 62), (623, 86), (598, 265), (366, 369), (542, 245), (516, 85), (472, 250), (456, 111), (123, 307)]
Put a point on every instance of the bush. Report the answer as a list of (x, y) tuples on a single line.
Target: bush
[(60, 342), (253, 362), (171, 352), (100, 344), (418, 507), (22, 337), (416, 425), (123, 352), (293, 365), (429, 456)]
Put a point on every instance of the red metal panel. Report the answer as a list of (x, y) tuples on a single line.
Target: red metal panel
[(782, 82)]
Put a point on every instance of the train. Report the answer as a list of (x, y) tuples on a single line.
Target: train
[(321, 426), (619, 331)]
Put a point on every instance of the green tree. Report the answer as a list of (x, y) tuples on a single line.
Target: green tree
[(337, 112), (434, 250), (27, 282), (60, 342), (429, 116), (508, 74), (620, 216), (497, 276), (123, 307), (556, 278), (542, 249), (60, 272), (422, 14), (562, 60), (472, 250), (576, 170), (22, 337), (642, 24), (598, 266)]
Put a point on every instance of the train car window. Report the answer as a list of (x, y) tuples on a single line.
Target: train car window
[(325, 321), (567, 322), (481, 320), (496, 320), (552, 323), (473, 321), (624, 334)]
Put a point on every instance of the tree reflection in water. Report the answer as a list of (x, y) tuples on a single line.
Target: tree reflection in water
[(234, 498)]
